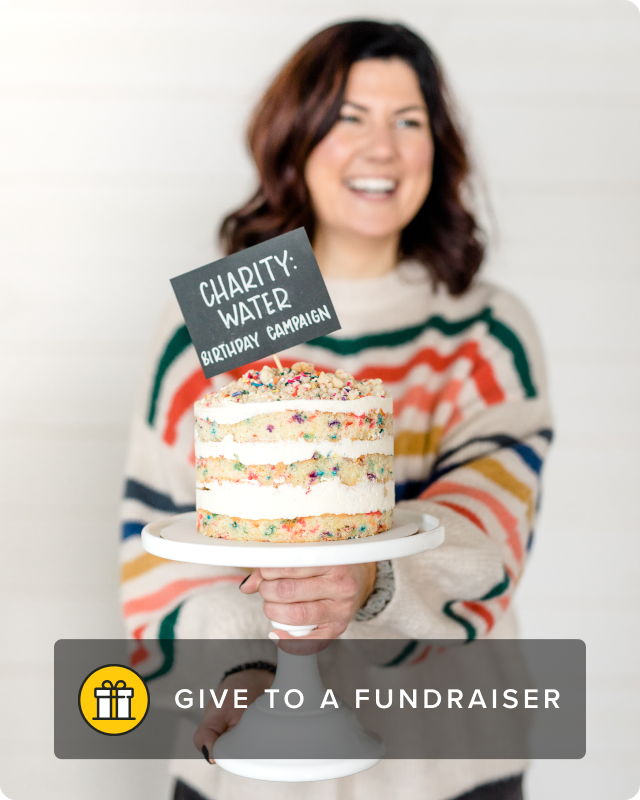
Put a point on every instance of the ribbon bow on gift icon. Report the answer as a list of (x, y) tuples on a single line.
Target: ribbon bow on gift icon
[(119, 685)]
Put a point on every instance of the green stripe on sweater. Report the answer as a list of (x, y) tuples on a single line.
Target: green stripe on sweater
[(402, 655), (497, 329), (176, 346), (498, 589), (166, 636), (449, 612)]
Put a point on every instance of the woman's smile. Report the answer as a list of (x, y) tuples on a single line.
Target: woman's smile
[(372, 187)]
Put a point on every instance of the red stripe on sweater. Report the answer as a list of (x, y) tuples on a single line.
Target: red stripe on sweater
[(508, 522), (168, 593), (137, 633), (196, 384), (482, 373), (481, 611), (422, 655), (186, 395), (140, 653)]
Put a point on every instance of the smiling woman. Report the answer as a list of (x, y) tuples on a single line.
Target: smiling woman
[(355, 141)]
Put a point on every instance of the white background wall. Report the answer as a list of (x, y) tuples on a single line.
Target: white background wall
[(121, 144)]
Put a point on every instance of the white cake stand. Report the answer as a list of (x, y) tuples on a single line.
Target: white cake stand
[(177, 539)]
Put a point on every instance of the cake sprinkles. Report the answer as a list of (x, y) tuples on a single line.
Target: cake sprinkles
[(300, 380)]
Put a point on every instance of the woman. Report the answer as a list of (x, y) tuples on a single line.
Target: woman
[(356, 141)]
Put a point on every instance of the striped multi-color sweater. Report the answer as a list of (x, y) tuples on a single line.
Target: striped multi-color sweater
[(472, 426)]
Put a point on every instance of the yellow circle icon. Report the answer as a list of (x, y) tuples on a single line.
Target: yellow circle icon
[(113, 699)]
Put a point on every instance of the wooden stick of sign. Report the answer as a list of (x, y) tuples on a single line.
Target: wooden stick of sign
[(278, 364)]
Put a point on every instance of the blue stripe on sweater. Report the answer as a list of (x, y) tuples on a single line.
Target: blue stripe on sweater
[(131, 528), (412, 489), (134, 490)]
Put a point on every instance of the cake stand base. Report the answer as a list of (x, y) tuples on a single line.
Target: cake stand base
[(296, 769), (177, 539), (305, 734)]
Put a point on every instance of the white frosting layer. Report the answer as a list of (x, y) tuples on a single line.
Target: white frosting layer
[(290, 451), (227, 413), (250, 500)]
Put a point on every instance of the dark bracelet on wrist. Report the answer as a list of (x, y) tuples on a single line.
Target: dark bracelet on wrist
[(251, 665)]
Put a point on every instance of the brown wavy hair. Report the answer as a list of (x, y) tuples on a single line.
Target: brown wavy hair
[(301, 106)]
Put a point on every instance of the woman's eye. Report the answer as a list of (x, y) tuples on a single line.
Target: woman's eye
[(349, 118), (409, 123)]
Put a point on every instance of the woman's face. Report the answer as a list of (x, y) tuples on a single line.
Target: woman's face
[(371, 173)]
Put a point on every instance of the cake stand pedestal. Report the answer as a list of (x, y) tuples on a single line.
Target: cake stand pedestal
[(177, 539)]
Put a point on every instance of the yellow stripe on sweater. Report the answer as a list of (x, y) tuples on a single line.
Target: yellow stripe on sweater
[(139, 566), (495, 471), (425, 443)]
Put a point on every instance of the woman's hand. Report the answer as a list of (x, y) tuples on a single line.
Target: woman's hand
[(215, 721), (324, 596)]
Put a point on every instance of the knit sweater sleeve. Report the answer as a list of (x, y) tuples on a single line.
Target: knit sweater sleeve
[(488, 437)]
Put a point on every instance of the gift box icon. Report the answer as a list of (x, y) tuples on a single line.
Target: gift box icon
[(114, 701)]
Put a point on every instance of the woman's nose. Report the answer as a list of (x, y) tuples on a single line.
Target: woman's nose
[(381, 145)]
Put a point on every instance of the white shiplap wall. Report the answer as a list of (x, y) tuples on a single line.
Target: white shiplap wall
[(121, 146)]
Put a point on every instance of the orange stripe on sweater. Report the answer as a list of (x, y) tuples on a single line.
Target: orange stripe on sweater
[(423, 443), (168, 593), (465, 513), (139, 565), (418, 397), (508, 522), (496, 472), (454, 419), (503, 601)]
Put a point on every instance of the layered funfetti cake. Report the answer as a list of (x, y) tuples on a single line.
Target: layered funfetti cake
[(295, 456)]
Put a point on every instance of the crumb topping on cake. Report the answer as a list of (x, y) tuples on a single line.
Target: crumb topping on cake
[(300, 381)]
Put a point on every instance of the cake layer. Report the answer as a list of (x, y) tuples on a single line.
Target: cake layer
[(250, 500), (292, 426), (349, 471), (227, 412), (290, 451), (328, 527)]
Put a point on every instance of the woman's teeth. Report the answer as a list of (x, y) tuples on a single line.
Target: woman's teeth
[(372, 185)]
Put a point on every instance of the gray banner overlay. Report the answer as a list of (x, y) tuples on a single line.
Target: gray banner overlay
[(444, 699)]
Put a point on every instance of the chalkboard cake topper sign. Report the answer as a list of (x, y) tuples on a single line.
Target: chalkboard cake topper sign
[(255, 303)]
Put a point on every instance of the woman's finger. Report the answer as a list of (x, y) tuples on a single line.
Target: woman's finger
[(252, 582), (214, 723), (274, 573), (314, 613), (301, 590)]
